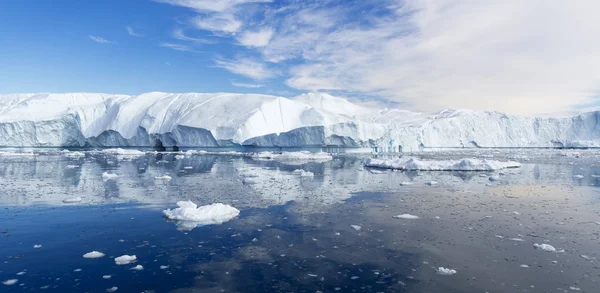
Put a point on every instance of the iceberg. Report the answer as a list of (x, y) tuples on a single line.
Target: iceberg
[(191, 215), (414, 164), (309, 120), (93, 254), (125, 259)]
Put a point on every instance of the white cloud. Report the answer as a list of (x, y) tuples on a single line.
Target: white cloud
[(180, 35), (246, 85), (132, 32), (177, 47), (211, 5), (218, 22), (245, 67), (260, 38), (100, 40)]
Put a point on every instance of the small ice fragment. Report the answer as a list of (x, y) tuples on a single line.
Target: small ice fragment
[(303, 173), (10, 282), (406, 217), (109, 176), (524, 266), (405, 183), (500, 236), (164, 177), (77, 270), (574, 288), (431, 183), (180, 157), (125, 259), (112, 289), (312, 275), (37, 246), (585, 257), (354, 277), (545, 247), (356, 227), (188, 167), (93, 254), (517, 239), (578, 176), (72, 200), (516, 213), (137, 268), (106, 277), (164, 267), (445, 271), (21, 273)]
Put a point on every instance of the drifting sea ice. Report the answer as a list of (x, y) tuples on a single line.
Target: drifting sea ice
[(93, 254), (303, 173), (164, 177), (406, 217), (125, 259), (356, 227), (414, 164), (445, 271), (293, 156), (216, 213), (123, 152), (10, 282), (112, 289), (137, 268), (545, 247)]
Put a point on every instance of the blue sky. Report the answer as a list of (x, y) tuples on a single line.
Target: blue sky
[(515, 56)]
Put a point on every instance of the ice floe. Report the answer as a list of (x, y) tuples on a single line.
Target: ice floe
[(137, 268), (109, 176), (37, 246), (406, 217), (445, 271), (545, 247), (123, 152), (164, 177), (293, 156), (303, 173), (94, 254), (125, 259), (356, 227), (191, 215), (10, 282), (112, 289), (414, 164)]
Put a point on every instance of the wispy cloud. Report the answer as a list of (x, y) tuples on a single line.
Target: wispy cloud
[(259, 38), (179, 34), (211, 5), (178, 47), (132, 32), (100, 40), (247, 85), (246, 67)]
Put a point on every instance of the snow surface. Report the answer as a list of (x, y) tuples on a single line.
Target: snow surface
[(224, 119), (93, 254), (125, 259), (414, 164), (216, 213)]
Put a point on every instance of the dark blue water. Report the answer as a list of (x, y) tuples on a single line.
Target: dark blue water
[(294, 234)]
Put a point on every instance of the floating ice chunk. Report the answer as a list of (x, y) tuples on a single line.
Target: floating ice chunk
[(72, 166), (93, 254), (109, 176), (293, 156), (517, 239), (405, 183), (106, 277), (545, 247), (188, 167), (524, 266), (70, 154), (137, 268), (431, 183), (445, 271), (10, 282), (406, 217), (414, 164), (112, 289), (123, 152), (37, 246), (72, 200), (578, 176), (21, 273), (164, 267), (125, 259), (303, 173), (164, 177), (573, 288), (356, 227), (179, 157), (216, 213)]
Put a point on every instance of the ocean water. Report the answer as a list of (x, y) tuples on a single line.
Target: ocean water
[(300, 234)]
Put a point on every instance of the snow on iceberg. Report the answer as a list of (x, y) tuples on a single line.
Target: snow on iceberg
[(414, 164), (189, 215), (125, 259)]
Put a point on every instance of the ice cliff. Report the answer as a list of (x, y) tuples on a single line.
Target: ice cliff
[(221, 119)]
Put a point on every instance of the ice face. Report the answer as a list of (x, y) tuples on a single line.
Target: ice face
[(78, 119)]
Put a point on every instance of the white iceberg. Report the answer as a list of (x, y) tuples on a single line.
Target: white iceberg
[(414, 164), (445, 271), (216, 213), (406, 217), (137, 268), (93, 254), (10, 282), (545, 247), (125, 259)]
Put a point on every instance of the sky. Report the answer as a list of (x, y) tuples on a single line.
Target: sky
[(516, 56)]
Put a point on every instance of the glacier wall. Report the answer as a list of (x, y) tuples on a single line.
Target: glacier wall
[(222, 119)]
